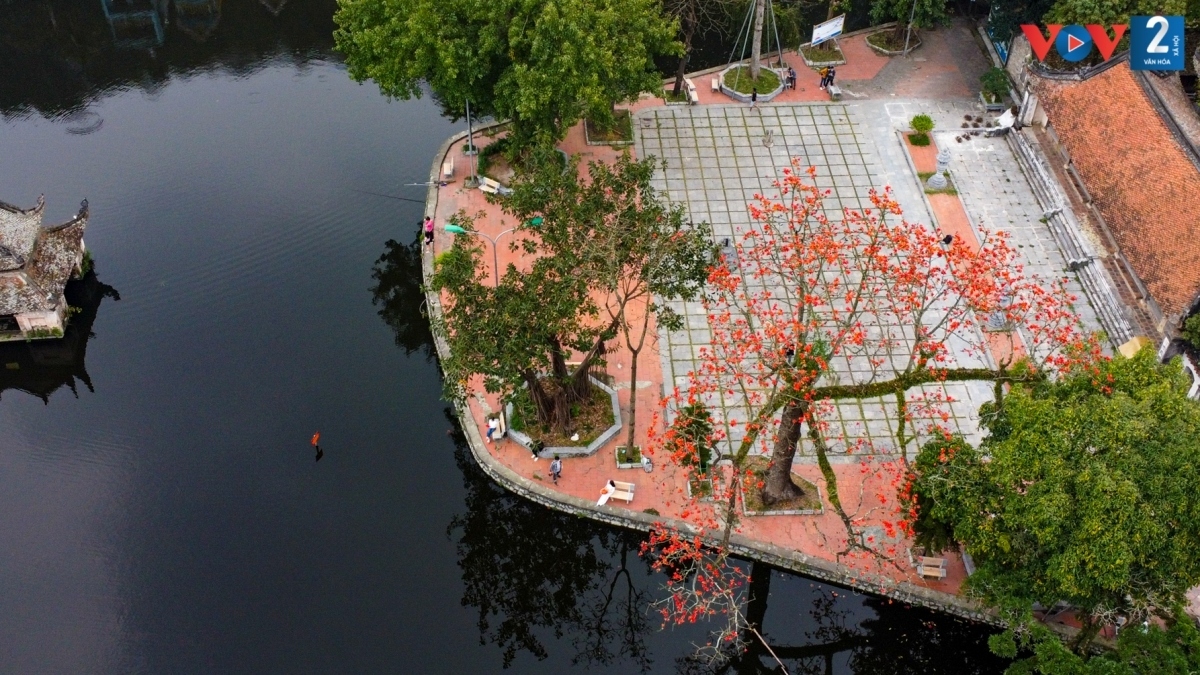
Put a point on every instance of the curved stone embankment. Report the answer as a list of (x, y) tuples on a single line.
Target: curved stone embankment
[(780, 557)]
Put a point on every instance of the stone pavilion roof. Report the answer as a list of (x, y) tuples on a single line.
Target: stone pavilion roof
[(36, 261)]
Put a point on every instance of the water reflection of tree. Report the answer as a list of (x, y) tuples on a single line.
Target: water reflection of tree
[(898, 640), (59, 55), (529, 570), (42, 367), (397, 290)]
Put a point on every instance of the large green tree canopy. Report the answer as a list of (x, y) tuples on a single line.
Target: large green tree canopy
[(541, 63), (1086, 490)]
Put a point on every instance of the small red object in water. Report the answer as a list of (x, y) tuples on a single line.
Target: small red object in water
[(316, 437)]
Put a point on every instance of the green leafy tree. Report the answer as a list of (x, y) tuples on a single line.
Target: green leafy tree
[(542, 64), (600, 247), (1005, 18), (1140, 650), (928, 14), (1109, 12), (1086, 490)]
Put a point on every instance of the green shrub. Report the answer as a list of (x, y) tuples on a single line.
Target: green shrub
[(694, 425), (995, 83), (1191, 330), (922, 124), (920, 140)]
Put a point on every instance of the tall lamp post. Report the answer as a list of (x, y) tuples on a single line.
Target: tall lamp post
[(455, 229), (908, 36), (474, 180)]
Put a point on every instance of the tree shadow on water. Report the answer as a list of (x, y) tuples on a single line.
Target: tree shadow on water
[(532, 573), (897, 640), (401, 300)]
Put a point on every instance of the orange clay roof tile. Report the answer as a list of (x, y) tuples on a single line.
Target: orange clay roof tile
[(1144, 185)]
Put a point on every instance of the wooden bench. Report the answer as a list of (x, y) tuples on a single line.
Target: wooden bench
[(931, 567), (934, 572), (716, 84), (693, 95), (448, 168), (835, 92), (624, 491)]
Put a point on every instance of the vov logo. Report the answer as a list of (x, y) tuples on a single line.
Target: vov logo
[(1155, 42)]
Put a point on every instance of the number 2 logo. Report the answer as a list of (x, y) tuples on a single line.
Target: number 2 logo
[(1156, 43), (1156, 46)]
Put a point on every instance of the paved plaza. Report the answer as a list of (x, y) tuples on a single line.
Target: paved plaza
[(718, 157)]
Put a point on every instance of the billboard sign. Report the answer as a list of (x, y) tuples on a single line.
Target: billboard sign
[(828, 30)]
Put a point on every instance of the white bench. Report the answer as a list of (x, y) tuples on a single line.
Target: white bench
[(492, 187), (624, 491), (693, 96), (835, 92), (448, 168), (716, 84)]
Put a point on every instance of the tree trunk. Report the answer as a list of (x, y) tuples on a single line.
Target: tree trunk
[(756, 48), (562, 410), (632, 398), (689, 27), (541, 401), (779, 486)]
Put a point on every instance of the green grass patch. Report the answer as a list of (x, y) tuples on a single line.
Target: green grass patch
[(589, 418), (627, 455), (668, 95), (826, 51), (919, 140), (620, 131), (752, 493), (949, 189), (738, 79)]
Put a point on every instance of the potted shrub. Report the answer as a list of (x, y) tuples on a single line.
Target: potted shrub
[(921, 125), (994, 89), (692, 434)]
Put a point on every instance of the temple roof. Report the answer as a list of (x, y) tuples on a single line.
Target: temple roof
[(36, 261), (1141, 173)]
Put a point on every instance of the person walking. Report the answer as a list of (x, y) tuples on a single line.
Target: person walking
[(791, 77), (556, 469), (754, 98), (428, 230), (829, 76), (824, 73)]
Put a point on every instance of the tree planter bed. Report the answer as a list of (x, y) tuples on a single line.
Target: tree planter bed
[(822, 63), (916, 42), (573, 450)]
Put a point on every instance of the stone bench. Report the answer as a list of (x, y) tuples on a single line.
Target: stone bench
[(692, 94), (835, 92)]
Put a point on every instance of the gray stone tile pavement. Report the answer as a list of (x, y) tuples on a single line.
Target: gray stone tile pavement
[(718, 157)]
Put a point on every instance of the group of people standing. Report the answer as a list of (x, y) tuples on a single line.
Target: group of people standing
[(827, 74)]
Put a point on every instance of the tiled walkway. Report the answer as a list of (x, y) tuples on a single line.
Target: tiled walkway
[(717, 159)]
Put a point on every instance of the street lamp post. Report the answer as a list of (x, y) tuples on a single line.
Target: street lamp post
[(474, 181), (455, 229), (908, 35)]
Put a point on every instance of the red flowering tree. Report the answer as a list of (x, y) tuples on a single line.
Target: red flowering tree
[(808, 313)]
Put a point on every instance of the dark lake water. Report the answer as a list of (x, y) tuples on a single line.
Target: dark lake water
[(160, 508)]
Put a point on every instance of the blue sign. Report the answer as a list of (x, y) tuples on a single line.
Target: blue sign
[(1156, 43)]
